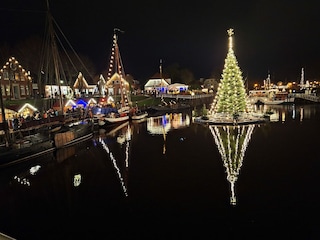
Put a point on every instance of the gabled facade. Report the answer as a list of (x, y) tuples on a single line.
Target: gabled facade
[(81, 86), (16, 82), (116, 84), (157, 84)]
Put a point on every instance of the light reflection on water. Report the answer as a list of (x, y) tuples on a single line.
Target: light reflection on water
[(281, 113), (168, 176), (232, 142)]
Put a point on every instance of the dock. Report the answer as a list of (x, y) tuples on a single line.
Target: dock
[(308, 97), (193, 100)]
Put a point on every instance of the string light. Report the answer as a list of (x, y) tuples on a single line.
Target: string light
[(127, 138), (232, 142)]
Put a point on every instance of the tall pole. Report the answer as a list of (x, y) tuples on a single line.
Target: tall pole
[(55, 56), (161, 77), (302, 79), (4, 121)]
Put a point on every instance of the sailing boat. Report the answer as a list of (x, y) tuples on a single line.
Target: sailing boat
[(74, 131), (44, 138), (110, 113), (137, 115)]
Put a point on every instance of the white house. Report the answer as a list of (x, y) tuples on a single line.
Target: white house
[(157, 84)]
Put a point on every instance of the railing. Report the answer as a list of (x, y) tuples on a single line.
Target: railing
[(309, 97), (185, 96), (38, 123)]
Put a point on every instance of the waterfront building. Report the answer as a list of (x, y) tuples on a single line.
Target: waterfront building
[(16, 82), (81, 87), (157, 84)]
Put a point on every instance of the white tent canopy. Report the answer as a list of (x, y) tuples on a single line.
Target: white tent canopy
[(177, 87)]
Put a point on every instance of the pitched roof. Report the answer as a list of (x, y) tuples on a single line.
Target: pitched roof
[(158, 76), (116, 77), (81, 82), (156, 83)]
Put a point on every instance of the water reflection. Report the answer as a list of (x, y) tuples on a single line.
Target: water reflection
[(65, 153), (232, 142), (282, 113), (116, 143), (27, 171), (94, 182), (161, 125), (23, 178), (77, 180), (164, 123)]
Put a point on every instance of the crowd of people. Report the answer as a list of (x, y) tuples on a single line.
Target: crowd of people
[(19, 121)]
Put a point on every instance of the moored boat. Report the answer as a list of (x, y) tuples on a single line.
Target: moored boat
[(115, 84), (32, 138), (270, 97), (112, 119), (170, 107), (43, 141), (270, 94), (136, 114)]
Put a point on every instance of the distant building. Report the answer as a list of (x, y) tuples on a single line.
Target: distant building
[(81, 87), (115, 84), (177, 88), (157, 84), (53, 91), (16, 82)]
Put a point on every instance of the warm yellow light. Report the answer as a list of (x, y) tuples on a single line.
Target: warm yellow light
[(27, 105), (92, 100), (70, 102)]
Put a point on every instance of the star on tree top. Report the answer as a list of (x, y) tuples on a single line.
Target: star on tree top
[(230, 32)]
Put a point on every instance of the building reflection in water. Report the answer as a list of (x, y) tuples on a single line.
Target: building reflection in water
[(161, 125), (232, 142), (282, 113)]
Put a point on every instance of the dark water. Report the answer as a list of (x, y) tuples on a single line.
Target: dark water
[(170, 178)]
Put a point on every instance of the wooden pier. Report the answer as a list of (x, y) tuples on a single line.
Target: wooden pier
[(193, 100)]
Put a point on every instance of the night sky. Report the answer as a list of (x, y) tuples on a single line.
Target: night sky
[(276, 37)]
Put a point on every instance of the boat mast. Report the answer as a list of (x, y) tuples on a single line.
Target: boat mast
[(119, 69), (118, 65), (54, 54), (161, 78), (4, 121), (302, 79), (268, 82)]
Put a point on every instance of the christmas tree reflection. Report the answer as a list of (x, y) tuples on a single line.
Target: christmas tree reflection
[(232, 142)]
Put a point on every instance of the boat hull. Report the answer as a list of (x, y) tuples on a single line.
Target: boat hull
[(157, 110), (261, 100), (139, 116), (43, 143), (106, 121)]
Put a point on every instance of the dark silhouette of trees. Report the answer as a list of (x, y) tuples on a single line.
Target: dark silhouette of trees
[(178, 74), (29, 53)]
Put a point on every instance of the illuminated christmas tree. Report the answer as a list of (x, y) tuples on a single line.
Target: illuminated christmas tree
[(231, 96)]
